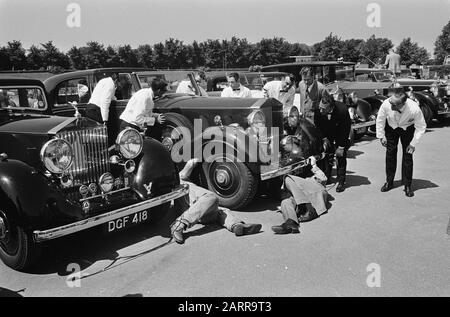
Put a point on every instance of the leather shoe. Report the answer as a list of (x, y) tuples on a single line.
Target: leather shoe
[(408, 191), (241, 229), (340, 187), (386, 187), (308, 216), (177, 229), (289, 226)]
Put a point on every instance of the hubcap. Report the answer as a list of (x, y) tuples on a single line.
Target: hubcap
[(222, 177)]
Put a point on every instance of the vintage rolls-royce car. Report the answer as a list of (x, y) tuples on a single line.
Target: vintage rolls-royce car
[(234, 181), (58, 176)]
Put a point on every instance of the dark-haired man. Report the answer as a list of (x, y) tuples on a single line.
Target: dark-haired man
[(400, 118), (334, 123), (310, 93), (139, 110), (235, 88)]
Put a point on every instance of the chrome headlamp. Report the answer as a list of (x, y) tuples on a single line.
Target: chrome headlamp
[(57, 156), (130, 143)]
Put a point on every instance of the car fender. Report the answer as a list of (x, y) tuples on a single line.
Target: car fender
[(156, 173), (26, 189), (429, 99)]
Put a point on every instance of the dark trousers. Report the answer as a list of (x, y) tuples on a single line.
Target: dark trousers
[(392, 137), (93, 112), (326, 165)]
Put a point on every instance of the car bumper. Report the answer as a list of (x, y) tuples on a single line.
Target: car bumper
[(50, 234), (273, 170), (360, 125)]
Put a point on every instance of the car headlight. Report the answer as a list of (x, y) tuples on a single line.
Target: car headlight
[(57, 156), (130, 143), (256, 119)]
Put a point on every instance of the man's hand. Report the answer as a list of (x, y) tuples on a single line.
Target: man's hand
[(383, 141), (340, 151), (312, 160), (410, 149), (161, 119), (326, 145)]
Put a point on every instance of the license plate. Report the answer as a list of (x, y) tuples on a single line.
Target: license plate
[(361, 130), (127, 221)]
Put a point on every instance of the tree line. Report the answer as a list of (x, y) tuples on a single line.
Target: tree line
[(233, 53)]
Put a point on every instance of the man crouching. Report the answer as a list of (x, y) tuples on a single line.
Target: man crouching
[(203, 207), (304, 199)]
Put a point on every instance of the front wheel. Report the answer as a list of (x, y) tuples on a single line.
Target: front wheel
[(17, 248), (233, 182)]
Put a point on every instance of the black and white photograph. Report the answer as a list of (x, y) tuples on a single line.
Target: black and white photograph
[(224, 154)]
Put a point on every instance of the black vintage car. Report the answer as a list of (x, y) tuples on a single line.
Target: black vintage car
[(58, 176), (235, 182)]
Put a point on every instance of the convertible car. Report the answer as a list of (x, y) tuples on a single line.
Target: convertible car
[(242, 150), (58, 176)]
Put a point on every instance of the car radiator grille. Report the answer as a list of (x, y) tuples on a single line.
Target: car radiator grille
[(90, 148)]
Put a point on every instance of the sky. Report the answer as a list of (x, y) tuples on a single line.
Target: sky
[(136, 22)]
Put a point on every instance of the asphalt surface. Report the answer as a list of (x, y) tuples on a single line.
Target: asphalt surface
[(365, 232)]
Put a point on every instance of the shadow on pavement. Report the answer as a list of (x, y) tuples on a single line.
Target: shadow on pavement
[(417, 184), (356, 180), (352, 154), (91, 246)]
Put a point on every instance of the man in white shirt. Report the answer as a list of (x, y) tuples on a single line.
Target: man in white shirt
[(400, 118), (282, 90), (139, 110), (104, 92), (185, 86), (235, 88)]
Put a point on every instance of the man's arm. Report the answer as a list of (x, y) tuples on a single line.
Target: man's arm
[(420, 125), (108, 95), (381, 121), (186, 172)]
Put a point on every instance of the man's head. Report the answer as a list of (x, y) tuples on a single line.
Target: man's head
[(159, 87), (199, 76), (233, 80), (287, 82), (398, 100), (307, 74), (326, 104), (292, 116), (391, 50)]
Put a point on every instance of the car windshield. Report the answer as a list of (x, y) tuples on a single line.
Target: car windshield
[(22, 97), (253, 81)]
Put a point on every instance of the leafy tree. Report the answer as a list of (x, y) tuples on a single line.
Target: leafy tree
[(113, 59), (16, 53), (76, 58), (330, 48), (145, 56), (35, 58), (411, 53), (442, 44), (159, 58), (175, 52), (214, 54), (375, 49), (127, 56), (4, 59), (96, 55), (53, 57), (351, 50)]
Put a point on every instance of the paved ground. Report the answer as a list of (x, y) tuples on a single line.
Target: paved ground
[(404, 237)]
